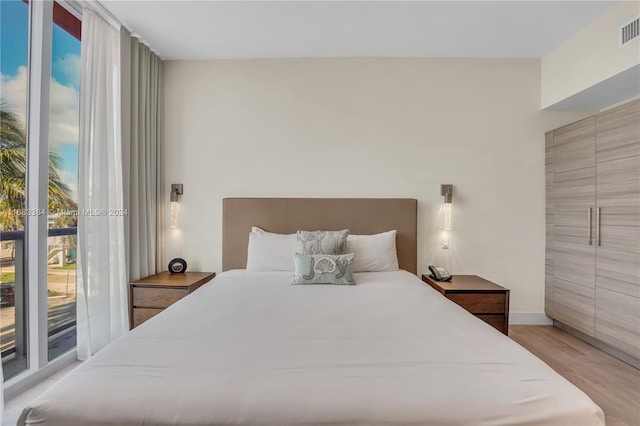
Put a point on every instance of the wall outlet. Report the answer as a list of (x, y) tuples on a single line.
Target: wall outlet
[(445, 244)]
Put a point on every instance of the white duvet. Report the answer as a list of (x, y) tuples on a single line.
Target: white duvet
[(250, 349)]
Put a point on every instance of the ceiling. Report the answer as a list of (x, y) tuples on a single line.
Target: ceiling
[(266, 29)]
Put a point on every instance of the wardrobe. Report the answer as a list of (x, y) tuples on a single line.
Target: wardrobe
[(592, 274)]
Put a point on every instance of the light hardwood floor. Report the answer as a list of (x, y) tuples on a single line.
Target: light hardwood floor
[(612, 384)]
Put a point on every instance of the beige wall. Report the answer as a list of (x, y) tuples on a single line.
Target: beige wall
[(369, 128), (591, 56)]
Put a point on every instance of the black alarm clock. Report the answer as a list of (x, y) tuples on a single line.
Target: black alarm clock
[(177, 266)]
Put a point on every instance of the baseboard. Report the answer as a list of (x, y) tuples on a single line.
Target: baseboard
[(529, 318)]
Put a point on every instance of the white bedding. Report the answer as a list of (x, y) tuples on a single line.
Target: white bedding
[(250, 349)]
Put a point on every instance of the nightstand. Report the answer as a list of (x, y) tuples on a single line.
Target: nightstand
[(150, 296), (484, 299)]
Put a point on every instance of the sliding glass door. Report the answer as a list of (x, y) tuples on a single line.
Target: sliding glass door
[(14, 55), (39, 101), (62, 220)]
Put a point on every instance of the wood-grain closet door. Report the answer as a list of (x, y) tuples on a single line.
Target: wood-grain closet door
[(574, 199), (549, 225), (618, 232)]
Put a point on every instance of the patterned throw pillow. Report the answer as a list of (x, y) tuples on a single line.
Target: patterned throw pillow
[(324, 269), (322, 242)]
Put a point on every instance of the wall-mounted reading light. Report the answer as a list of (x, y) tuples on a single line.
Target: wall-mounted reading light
[(447, 192), (176, 192)]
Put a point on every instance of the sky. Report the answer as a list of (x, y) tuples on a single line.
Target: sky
[(65, 83)]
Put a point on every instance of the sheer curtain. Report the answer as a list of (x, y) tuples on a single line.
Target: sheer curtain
[(102, 286), (1, 393), (144, 183)]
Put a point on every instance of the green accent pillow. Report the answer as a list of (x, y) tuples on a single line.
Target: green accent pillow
[(322, 242), (324, 269)]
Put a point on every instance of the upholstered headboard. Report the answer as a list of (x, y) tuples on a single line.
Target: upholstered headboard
[(287, 215)]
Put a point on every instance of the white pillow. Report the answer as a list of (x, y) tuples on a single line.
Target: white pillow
[(271, 252), (374, 253)]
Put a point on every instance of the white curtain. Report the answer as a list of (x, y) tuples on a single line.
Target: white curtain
[(1, 393), (102, 286), (144, 182)]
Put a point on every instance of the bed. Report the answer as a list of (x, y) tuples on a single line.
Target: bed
[(249, 348)]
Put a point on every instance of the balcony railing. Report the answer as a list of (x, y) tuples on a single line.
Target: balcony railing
[(61, 296)]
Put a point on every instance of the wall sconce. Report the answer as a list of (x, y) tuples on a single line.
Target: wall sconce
[(176, 192), (447, 192)]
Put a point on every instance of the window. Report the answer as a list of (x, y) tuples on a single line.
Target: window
[(63, 181), (28, 227), (14, 51)]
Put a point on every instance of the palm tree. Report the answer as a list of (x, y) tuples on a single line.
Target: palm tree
[(13, 167)]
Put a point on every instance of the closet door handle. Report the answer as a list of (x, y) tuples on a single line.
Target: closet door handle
[(598, 226), (589, 221)]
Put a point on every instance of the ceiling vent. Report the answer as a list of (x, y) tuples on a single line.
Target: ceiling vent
[(630, 32)]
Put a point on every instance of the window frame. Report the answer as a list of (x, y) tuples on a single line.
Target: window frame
[(42, 15)]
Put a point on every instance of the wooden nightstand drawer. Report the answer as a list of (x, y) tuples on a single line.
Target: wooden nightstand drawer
[(153, 297), (488, 301), (149, 296), (140, 315), (497, 321), (479, 303)]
